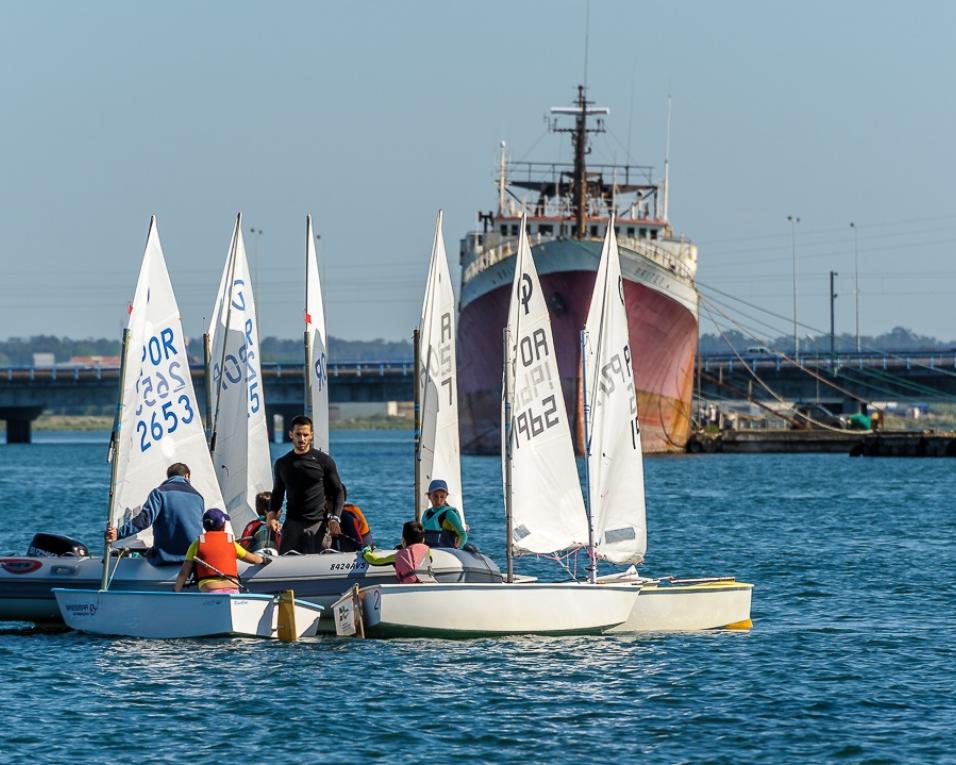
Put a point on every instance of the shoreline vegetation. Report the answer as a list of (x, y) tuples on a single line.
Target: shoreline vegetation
[(57, 422)]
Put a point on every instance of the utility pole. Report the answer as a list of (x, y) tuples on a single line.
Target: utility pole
[(794, 220), (856, 281), (833, 296), (257, 233)]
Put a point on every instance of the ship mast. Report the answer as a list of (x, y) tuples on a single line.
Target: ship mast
[(579, 137)]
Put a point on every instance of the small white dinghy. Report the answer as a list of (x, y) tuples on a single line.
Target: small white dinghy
[(187, 614), (468, 610)]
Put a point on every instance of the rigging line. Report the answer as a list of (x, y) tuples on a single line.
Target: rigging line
[(900, 382), (755, 335), (887, 392), (533, 146), (788, 319), (884, 224), (805, 369)]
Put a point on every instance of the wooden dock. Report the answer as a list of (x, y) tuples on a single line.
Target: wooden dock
[(854, 443)]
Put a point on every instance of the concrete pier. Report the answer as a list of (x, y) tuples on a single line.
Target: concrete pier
[(19, 419)]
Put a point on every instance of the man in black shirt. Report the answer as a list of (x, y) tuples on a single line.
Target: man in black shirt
[(309, 481)]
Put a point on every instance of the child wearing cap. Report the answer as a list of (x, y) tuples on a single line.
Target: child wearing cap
[(213, 557), (442, 522)]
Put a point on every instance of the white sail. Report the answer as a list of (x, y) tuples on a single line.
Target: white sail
[(160, 420), (615, 466), (547, 508), (316, 347), (240, 439), (439, 452)]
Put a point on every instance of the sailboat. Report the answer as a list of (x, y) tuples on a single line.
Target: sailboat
[(239, 439), (543, 504), (615, 474), (158, 422)]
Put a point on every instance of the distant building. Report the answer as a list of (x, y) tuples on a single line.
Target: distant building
[(92, 361), (44, 359)]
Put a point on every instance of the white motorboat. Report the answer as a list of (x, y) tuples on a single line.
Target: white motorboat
[(186, 615)]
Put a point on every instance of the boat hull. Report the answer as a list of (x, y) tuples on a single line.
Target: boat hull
[(662, 328), (26, 584), (168, 615), (488, 610), (690, 606)]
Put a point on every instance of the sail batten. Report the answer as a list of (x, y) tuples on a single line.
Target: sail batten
[(615, 462), (159, 421), (547, 507), (240, 441), (439, 449)]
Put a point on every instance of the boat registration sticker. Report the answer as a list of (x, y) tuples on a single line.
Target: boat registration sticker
[(20, 565)]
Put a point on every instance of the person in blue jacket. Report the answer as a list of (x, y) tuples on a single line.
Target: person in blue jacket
[(174, 509)]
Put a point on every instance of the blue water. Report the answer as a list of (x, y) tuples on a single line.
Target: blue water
[(852, 658)]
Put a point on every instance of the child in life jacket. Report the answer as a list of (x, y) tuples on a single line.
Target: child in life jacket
[(442, 522), (259, 534), (412, 560), (356, 533), (213, 557)]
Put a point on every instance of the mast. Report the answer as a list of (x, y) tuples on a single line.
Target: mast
[(502, 177), (667, 160), (307, 370), (592, 552), (579, 137), (509, 552), (418, 423), (113, 458), (206, 359)]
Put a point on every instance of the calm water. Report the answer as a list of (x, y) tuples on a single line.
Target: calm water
[(852, 657)]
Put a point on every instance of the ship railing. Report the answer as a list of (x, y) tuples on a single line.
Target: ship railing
[(643, 247), (496, 254), (673, 263)]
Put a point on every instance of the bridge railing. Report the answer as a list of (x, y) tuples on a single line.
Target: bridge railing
[(92, 373)]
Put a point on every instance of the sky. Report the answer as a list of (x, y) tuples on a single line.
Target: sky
[(373, 115)]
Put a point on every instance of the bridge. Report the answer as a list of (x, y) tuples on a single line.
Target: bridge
[(25, 392)]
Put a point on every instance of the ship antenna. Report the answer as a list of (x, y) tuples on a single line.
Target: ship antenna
[(667, 161), (502, 180), (587, 38)]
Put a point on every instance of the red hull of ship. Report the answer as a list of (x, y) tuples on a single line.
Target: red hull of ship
[(663, 336)]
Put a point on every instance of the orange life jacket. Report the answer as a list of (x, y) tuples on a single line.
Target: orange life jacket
[(361, 524), (218, 550)]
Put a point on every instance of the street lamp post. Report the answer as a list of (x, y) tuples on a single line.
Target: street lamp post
[(856, 281), (256, 232), (794, 220), (833, 296)]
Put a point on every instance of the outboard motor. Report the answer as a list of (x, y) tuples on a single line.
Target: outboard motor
[(45, 545)]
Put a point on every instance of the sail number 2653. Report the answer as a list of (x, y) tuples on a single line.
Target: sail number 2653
[(164, 421)]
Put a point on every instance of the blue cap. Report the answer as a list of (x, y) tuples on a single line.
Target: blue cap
[(438, 485), (214, 519)]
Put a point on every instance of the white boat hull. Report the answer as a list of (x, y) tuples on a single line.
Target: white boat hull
[(689, 606), (26, 583), (477, 610), (179, 615)]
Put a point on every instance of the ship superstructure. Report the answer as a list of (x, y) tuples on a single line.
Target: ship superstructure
[(568, 208)]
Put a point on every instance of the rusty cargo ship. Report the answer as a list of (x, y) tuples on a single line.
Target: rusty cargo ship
[(568, 208)]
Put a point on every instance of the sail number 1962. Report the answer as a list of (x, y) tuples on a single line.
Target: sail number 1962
[(536, 402)]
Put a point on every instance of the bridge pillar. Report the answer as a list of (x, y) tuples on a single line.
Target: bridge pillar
[(287, 412), (18, 420)]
